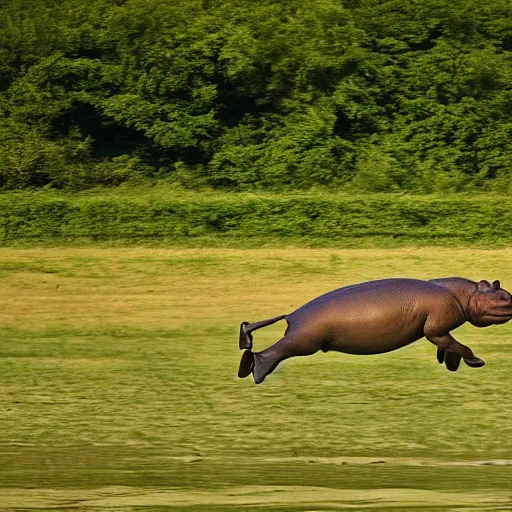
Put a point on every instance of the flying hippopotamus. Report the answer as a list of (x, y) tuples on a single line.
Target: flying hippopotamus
[(380, 316)]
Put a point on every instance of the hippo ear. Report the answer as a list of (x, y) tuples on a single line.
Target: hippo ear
[(484, 286), (496, 285)]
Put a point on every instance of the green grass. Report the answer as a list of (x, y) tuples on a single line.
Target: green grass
[(118, 388), (162, 216)]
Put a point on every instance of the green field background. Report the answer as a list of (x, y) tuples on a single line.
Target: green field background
[(163, 216), (119, 388)]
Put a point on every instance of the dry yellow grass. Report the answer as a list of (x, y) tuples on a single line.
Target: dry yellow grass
[(171, 288)]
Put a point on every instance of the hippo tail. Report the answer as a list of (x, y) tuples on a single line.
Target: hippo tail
[(246, 328)]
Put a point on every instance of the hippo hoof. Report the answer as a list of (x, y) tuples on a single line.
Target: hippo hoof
[(475, 362), (452, 361), (246, 364), (245, 338)]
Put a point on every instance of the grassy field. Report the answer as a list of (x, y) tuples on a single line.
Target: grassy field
[(118, 388), (163, 217)]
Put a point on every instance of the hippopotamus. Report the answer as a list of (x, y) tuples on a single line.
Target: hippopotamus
[(380, 316)]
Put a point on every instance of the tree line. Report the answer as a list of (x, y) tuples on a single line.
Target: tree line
[(376, 95)]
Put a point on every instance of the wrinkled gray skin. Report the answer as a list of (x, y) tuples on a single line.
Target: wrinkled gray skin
[(381, 316)]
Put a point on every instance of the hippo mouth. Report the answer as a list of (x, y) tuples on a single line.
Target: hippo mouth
[(503, 311), (498, 317)]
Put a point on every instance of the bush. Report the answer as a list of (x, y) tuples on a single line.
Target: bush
[(305, 219)]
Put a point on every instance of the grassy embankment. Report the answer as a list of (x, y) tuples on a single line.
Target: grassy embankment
[(165, 216), (119, 390)]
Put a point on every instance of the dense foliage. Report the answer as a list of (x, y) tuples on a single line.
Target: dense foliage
[(339, 220), (371, 94)]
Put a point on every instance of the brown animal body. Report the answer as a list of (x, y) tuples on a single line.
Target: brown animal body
[(380, 316)]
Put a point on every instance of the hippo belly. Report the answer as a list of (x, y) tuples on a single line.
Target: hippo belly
[(370, 331), (361, 321)]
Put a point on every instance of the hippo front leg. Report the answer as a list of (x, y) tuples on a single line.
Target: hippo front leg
[(450, 351)]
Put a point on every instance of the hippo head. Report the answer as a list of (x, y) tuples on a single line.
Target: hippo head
[(490, 304)]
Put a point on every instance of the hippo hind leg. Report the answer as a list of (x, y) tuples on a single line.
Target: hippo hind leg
[(263, 366), (266, 361)]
